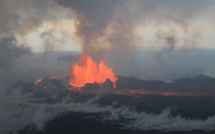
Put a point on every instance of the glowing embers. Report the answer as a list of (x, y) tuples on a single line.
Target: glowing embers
[(89, 72), (38, 81)]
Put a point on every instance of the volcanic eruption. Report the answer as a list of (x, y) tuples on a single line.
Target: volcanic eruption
[(89, 72)]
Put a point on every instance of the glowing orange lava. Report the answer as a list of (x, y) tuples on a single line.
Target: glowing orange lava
[(37, 81), (89, 72)]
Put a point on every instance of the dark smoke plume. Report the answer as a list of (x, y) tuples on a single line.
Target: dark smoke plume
[(10, 52), (104, 24), (92, 17), (22, 16)]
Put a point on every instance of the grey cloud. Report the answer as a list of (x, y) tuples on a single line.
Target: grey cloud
[(10, 52), (170, 40), (49, 39), (111, 21), (21, 16), (94, 17)]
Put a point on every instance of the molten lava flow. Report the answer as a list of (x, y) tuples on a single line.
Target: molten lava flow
[(37, 81), (89, 72)]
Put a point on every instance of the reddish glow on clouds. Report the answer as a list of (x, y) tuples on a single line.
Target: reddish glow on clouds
[(89, 72)]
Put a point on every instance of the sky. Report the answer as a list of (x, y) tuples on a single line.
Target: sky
[(97, 25), (119, 31)]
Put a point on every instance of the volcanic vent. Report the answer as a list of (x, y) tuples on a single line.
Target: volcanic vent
[(89, 72)]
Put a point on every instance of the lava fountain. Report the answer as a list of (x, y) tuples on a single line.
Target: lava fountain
[(89, 72)]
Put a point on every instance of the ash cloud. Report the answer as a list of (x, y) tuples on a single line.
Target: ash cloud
[(101, 24), (10, 53), (19, 17), (109, 25), (92, 18), (170, 41)]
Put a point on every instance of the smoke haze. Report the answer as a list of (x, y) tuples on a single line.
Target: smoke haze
[(99, 27), (146, 39)]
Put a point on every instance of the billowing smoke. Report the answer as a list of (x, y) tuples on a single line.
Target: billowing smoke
[(126, 26), (101, 24), (92, 18), (10, 53), (104, 24), (24, 17), (170, 40), (116, 30), (19, 17)]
